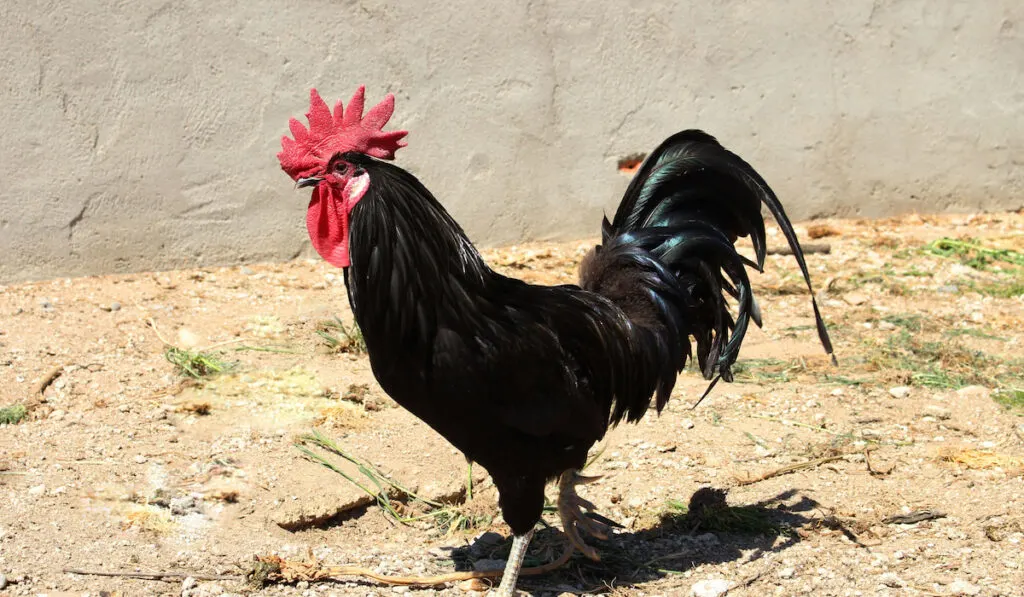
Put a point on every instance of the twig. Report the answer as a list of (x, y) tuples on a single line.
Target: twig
[(799, 424), (49, 379), (310, 571), (746, 582), (151, 323), (916, 516), (164, 576), (791, 469), (808, 249)]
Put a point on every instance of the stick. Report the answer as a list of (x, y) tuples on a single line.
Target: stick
[(809, 249), (49, 379), (312, 571), (790, 469), (164, 576)]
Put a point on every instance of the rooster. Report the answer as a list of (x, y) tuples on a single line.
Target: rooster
[(525, 379)]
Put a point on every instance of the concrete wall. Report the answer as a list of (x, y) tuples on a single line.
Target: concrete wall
[(142, 134)]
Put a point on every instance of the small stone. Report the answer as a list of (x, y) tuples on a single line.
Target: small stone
[(37, 490), (140, 459), (187, 584), (1011, 564), (948, 289), (710, 588), (45, 304), (687, 424), (123, 408), (484, 565), (183, 505), (3, 582), (899, 392), (246, 270), (855, 298), (115, 306), (890, 579), (962, 587), (302, 585), (400, 589), (787, 573), (974, 392), (57, 415)]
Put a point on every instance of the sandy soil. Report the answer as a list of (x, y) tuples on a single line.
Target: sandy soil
[(121, 466)]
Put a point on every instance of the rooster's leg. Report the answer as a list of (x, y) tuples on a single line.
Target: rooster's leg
[(507, 588), (570, 511)]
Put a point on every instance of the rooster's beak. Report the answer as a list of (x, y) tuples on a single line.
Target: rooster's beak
[(311, 181)]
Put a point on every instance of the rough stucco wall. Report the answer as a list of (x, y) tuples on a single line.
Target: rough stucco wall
[(142, 134)]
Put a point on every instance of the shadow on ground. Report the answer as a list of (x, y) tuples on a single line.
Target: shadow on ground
[(708, 530)]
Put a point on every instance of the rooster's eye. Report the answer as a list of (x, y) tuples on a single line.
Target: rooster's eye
[(341, 168)]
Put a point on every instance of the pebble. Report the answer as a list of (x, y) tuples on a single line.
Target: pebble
[(140, 459), (37, 490), (246, 270), (115, 306), (890, 579), (3, 582), (948, 289), (46, 304), (187, 584), (899, 392), (962, 587), (710, 588), (787, 573), (185, 504), (855, 298), (687, 424), (57, 415)]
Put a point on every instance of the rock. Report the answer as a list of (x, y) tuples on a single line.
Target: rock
[(246, 270), (187, 338), (711, 587), (687, 424), (899, 391), (484, 565), (185, 504), (140, 459), (3, 582), (948, 289), (316, 509), (855, 298), (57, 415), (787, 573), (890, 579), (37, 490), (115, 306), (962, 587), (974, 393)]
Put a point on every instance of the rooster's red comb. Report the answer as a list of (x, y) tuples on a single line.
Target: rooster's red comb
[(346, 129)]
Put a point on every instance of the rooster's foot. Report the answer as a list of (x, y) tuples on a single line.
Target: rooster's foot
[(570, 510)]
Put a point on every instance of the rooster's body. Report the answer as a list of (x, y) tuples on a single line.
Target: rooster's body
[(524, 379)]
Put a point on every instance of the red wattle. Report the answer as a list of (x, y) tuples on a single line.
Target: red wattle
[(327, 223)]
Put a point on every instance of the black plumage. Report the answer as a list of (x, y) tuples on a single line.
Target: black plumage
[(524, 379)]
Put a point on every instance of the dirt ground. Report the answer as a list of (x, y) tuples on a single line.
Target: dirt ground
[(124, 466)]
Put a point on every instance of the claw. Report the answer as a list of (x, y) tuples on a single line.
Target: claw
[(570, 511)]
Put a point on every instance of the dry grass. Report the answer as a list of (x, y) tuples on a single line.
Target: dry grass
[(982, 459)]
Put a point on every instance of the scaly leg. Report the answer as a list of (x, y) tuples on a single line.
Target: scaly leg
[(507, 588), (573, 518)]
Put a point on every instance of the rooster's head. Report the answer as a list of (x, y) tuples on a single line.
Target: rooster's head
[(315, 157)]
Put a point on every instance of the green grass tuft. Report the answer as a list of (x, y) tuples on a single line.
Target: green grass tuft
[(398, 502), (10, 415), (197, 365), (340, 337), (1012, 399), (972, 253)]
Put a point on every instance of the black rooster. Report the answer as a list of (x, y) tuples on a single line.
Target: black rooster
[(524, 379)]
